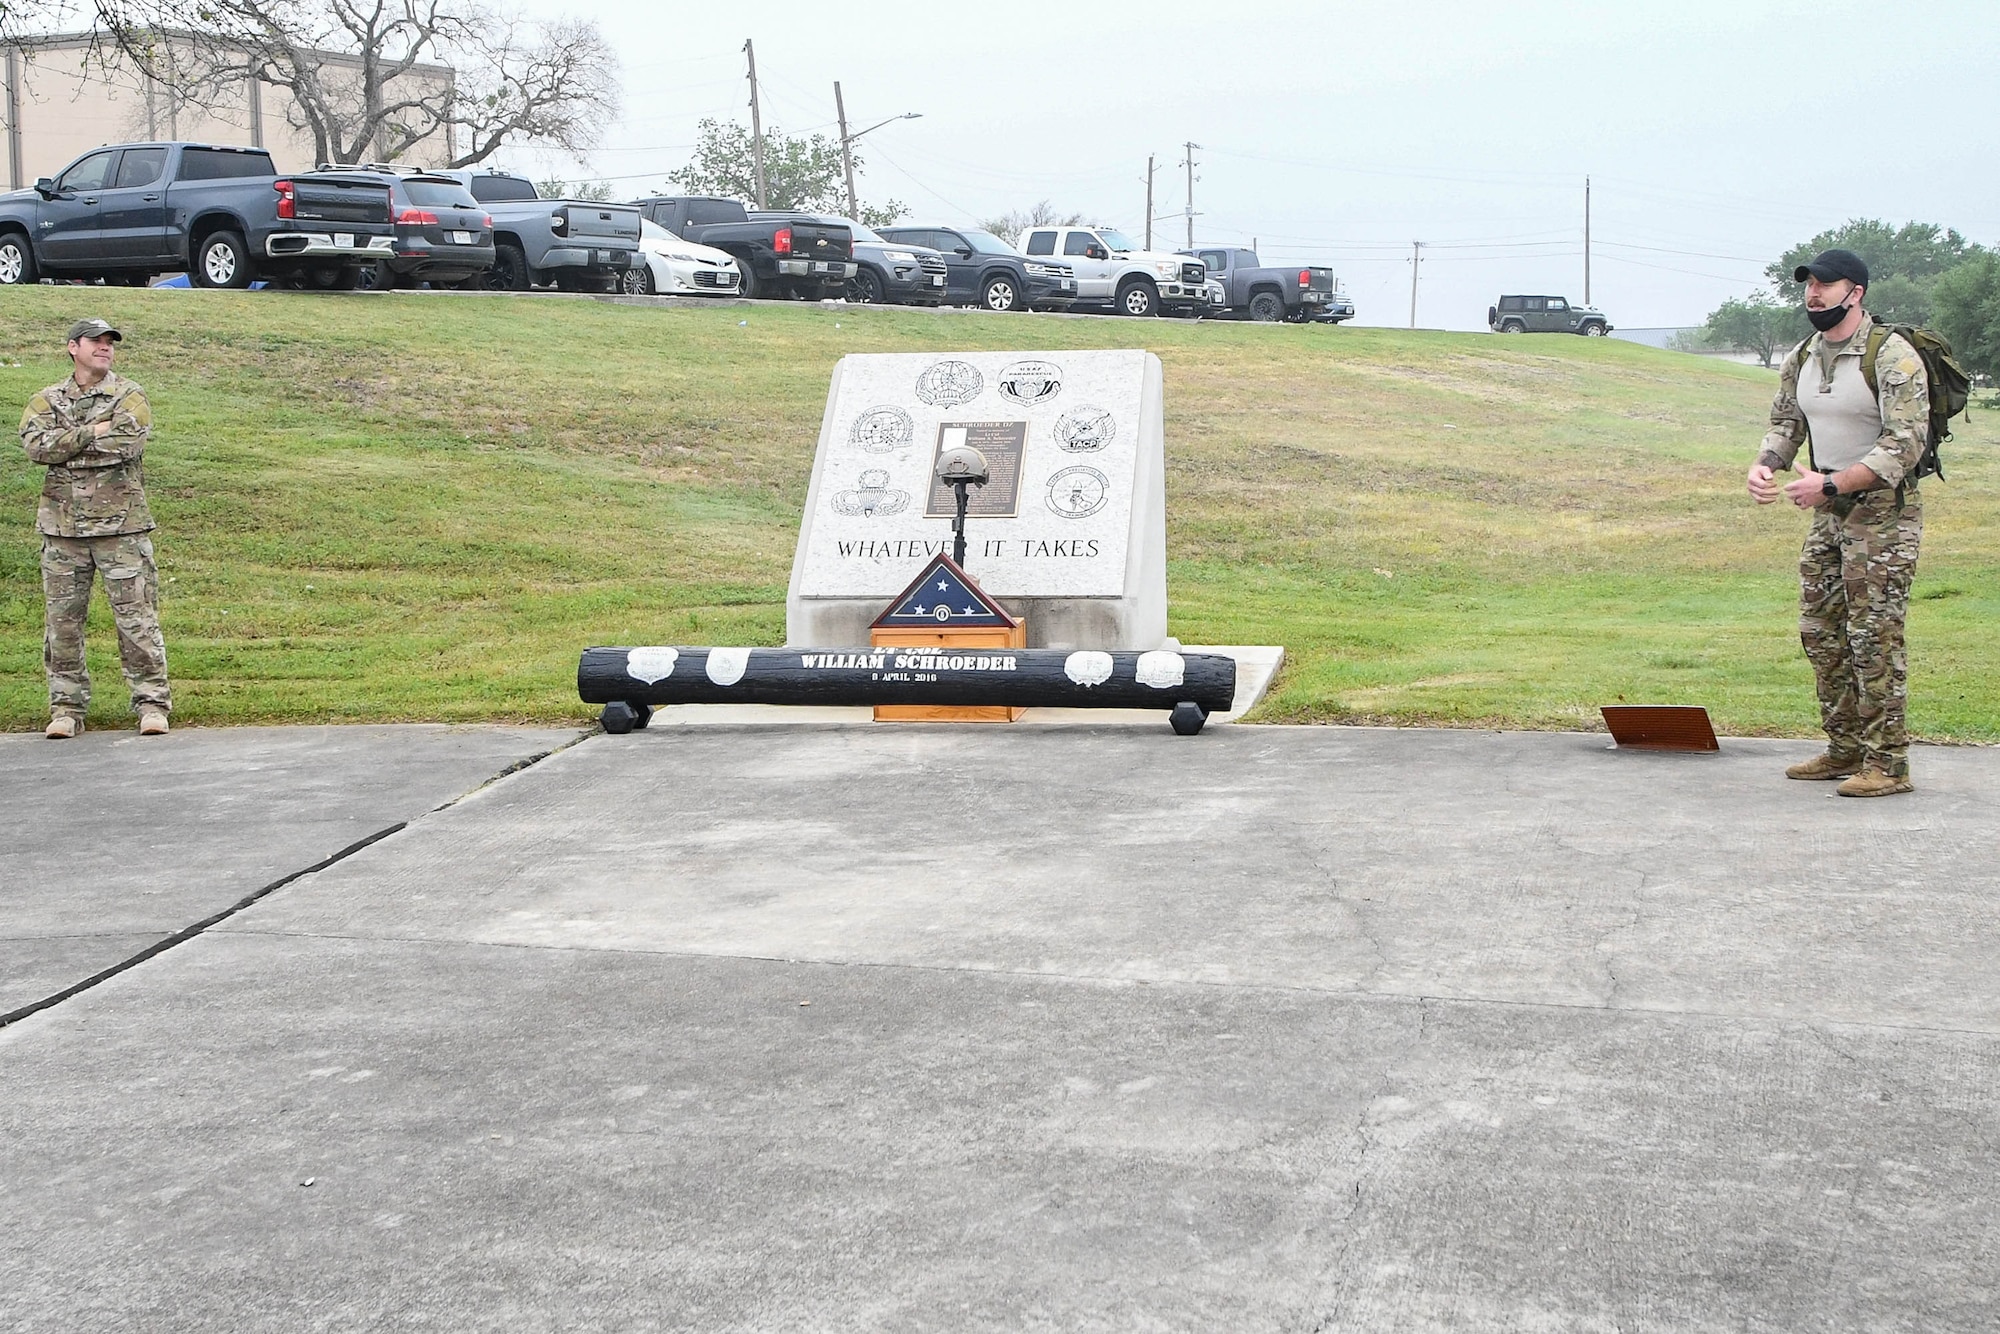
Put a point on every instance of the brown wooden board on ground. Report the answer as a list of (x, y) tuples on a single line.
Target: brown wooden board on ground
[(1660, 726), (944, 607)]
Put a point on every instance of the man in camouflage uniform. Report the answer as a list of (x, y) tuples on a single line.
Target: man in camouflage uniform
[(1861, 550), (90, 432)]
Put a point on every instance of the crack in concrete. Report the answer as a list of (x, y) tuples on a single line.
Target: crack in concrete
[(187, 933), (1298, 840)]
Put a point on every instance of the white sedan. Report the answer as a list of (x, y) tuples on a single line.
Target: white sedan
[(675, 267)]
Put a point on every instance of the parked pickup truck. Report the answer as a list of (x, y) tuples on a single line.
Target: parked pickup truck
[(780, 256), (577, 245), (1113, 273), (221, 214), (1249, 289)]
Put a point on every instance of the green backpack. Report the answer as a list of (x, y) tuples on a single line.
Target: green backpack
[(1950, 386)]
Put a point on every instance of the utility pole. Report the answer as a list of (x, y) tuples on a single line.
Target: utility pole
[(1416, 259), (756, 123), (846, 146), (1189, 164), (1586, 240), (846, 156), (1149, 201)]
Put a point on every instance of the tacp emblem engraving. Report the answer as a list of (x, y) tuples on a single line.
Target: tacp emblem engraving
[(950, 383), (1085, 431)]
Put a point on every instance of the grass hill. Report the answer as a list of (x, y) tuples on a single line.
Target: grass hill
[(421, 507)]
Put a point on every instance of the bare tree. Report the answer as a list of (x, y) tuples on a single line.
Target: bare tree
[(23, 19), (1009, 227), (370, 78), (548, 84)]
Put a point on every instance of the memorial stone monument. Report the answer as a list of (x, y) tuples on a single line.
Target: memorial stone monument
[(1069, 533)]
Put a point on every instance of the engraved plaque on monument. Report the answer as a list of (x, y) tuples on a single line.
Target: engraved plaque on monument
[(1070, 533)]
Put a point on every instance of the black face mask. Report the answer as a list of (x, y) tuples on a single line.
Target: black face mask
[(1824, 320)]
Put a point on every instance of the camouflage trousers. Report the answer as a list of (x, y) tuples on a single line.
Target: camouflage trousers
[(1854, 591), (69, 565)]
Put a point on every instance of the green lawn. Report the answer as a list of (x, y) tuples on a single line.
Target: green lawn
[(415, 507)]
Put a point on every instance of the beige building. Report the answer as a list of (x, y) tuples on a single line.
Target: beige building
[(67, 95)]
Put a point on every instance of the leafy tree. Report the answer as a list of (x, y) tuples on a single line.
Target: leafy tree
[(555, 187), (1966, 304), (799, 173), (1903, 264), (1010, 227), (1762, 324), (883, 215)]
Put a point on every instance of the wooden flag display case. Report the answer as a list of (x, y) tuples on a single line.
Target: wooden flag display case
[(945, 608)]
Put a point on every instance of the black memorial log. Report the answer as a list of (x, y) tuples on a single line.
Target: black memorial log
[(1025, 678)]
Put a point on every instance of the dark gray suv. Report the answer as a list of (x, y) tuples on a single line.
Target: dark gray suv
[(1546, 314), (443, 236), (983, 270)]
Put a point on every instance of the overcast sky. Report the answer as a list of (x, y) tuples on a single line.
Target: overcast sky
[(1715, 134)]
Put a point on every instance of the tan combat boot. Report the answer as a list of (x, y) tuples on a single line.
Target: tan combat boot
[(1873, 782), (152, 722), (62, 727), (1820, 768)]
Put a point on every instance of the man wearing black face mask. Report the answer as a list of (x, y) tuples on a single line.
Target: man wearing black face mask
[(1861, 551)]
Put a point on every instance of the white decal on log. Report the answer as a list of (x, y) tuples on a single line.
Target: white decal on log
[(1088, 667), (651, 664), (727, 665), (1160, 669)]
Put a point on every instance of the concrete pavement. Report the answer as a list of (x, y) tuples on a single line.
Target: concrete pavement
[(923, 1028), (116, 841)]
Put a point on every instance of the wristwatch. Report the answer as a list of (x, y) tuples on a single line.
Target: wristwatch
[(1828, 487)]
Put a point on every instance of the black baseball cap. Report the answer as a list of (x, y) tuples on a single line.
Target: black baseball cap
[(1833, 265), (94, 329)]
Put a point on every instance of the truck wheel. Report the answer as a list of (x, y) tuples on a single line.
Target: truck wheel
[(510, 269), (17, 260), (1000, 294), (753, 287), (332, 278), (1267, 308), (1138, 297), (221, 260), (376, 277), (866, 287), (1513, 326), (1593, 330), (638, 282)]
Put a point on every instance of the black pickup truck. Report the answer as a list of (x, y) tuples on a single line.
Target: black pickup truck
[(1250, 289), (780, 256), (222, 214)]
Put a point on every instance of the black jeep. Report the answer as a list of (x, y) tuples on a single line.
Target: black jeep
[(1546, 314)]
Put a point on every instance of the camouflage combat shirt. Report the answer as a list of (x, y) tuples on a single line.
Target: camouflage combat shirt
[(95, 487), (1902, 393)]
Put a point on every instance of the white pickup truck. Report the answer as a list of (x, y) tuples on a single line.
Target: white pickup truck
[(1114, 274)]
